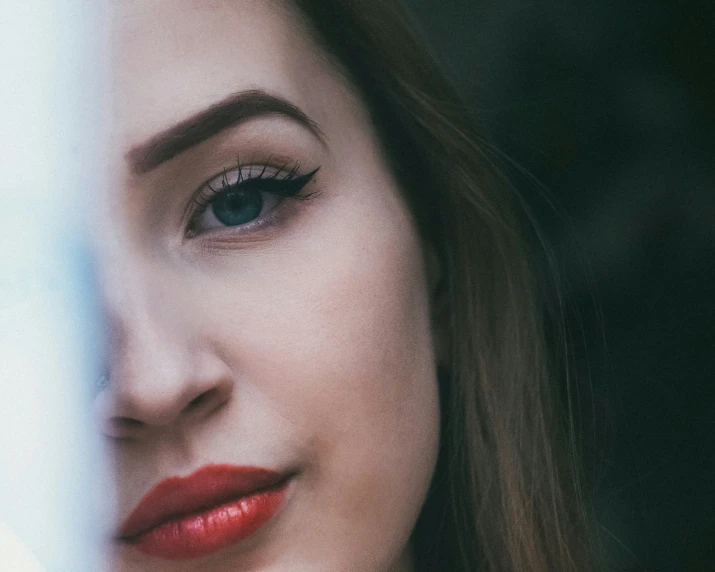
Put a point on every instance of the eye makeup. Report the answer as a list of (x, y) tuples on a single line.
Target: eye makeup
[(246, 197), (235, 109)]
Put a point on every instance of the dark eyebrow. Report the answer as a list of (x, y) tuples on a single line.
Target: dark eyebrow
[(234, 109)]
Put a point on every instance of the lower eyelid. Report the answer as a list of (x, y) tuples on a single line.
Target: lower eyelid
[(259, 231)]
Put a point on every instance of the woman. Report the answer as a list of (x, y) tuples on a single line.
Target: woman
[(324, 349)]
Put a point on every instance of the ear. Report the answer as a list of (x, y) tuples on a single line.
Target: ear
[(439, 310)]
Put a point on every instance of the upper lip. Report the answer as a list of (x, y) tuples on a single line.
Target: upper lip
[(208, 487)]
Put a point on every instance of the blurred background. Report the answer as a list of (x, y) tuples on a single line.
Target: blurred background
[(607, 109)]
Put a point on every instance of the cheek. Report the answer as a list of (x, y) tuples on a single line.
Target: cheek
[(365, 390), (336, 338)]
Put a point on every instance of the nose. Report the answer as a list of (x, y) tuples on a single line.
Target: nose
[(160, 375), (155, 385)]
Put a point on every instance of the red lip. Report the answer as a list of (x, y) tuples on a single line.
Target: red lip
[(218, 505)]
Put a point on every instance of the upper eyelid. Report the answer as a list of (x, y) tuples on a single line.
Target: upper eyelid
[(276, 168), (288, 169)]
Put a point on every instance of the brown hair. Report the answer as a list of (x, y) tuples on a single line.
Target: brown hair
[(505, 494)]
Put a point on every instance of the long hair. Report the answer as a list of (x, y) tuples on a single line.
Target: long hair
[(505, 494)]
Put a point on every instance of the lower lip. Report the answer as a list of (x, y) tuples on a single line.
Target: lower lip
[(212, 530)]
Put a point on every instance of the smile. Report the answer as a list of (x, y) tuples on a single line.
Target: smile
[(214, 507)]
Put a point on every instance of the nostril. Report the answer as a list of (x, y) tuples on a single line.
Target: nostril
[(123, 427), (203, 399), (126, 423)]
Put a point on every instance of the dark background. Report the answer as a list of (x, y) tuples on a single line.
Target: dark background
[(610, 108)]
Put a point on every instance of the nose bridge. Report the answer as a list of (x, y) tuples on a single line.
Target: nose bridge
[(144, 343), (125, 281), (146, 359), (135, 311)]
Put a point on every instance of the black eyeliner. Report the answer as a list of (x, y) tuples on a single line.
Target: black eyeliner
[(286, 186), (283, 183)]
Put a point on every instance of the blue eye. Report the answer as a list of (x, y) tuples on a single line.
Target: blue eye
[(245, 194), (235, 206)]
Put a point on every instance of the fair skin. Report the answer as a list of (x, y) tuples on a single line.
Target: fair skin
[(301, 344)]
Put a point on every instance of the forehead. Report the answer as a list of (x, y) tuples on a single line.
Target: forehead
[(172, 58)]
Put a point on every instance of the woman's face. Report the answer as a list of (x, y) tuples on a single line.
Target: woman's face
[(271, 371)]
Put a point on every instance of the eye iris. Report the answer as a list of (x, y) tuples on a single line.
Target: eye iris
[(237, 207)]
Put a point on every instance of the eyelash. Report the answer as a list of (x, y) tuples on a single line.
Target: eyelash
[(283, 182)]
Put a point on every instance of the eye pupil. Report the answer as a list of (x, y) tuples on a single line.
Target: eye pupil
[(238, 206)]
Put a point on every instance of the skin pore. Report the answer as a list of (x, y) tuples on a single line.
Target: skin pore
[(298, 341)]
